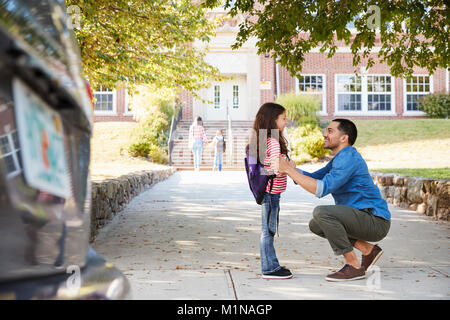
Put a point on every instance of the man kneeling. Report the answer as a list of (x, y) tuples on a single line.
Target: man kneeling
[(360, 213)]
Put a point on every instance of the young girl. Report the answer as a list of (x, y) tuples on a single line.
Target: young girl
[(271, 118), (197, 138), (218, 141)]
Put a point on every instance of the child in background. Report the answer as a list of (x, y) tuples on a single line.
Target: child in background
[(197, 138), (271, 118), (219, 148)]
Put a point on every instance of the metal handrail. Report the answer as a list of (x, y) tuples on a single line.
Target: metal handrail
[(230, 142), (173, 127)]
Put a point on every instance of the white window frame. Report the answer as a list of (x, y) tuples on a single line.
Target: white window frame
[(323, 111), (392, 94), (214, 97), (447, 79), (415, 112), (364, 97), (14, 152), (235, 107), (127, 111), (112, 112)]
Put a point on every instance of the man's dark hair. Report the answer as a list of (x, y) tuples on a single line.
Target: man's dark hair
[(348, 128)]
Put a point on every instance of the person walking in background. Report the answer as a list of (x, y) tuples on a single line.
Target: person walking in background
[(197, 137), (219, 149), (271, 121)]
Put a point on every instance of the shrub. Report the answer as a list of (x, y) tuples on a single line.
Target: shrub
[(436, 105), (158, 155), (306, 143), (313, 145), (153, 107), (301, 108)]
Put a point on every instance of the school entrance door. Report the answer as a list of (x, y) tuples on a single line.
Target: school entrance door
[(228, 97)]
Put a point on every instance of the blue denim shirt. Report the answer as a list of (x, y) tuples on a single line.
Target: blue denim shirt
[(348, 180)]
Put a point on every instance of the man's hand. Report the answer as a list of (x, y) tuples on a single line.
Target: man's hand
[(292, 163), (280, 164)]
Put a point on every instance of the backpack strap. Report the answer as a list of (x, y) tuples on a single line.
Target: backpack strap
[(278, 220), (268, 216), (271, 182)]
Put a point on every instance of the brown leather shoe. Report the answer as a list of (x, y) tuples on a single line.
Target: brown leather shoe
[(347, 273), (370, 259)]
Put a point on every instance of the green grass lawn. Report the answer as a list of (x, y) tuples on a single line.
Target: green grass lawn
[(413, 147), (406, 143), (108, 158), (377, 132), (436, 173)]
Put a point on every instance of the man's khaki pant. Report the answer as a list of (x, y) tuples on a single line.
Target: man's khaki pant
[(343, 225)]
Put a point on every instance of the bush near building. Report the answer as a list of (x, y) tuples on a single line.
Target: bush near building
[(436, 105), (154, 109), (301, 108), (306, 143)]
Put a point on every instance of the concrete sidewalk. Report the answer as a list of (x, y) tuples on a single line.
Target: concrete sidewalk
[(196, 236)]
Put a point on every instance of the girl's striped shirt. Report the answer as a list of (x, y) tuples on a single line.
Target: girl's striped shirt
[(280, 181)]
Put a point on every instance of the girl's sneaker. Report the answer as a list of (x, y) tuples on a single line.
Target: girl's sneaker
[(282, 273)]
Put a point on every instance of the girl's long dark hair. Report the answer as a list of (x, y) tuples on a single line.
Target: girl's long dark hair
[(198, 121), (265, 119)]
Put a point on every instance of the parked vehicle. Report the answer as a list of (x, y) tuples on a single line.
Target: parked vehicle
[(45, 131)]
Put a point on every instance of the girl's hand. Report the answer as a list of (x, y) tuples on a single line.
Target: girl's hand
[(280, 164)]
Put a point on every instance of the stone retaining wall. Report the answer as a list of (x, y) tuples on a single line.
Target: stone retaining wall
[(110, 196), (426, 196)]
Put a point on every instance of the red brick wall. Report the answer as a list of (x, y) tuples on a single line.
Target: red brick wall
[(187, 109), (7, 121), (341, 63), (113, 118), (317, 63), (268, 74)]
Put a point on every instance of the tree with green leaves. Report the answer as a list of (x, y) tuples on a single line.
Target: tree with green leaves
[(406, 33), (147, 41)]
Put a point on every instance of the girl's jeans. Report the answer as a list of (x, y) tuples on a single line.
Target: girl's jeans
[(197, 148), (218, 160), (270, 209)]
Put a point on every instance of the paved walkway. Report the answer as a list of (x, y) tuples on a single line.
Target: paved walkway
[(196, 236)]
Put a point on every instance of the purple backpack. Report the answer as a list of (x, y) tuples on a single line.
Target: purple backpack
[(257, 179)]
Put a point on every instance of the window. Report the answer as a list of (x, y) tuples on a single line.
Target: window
[(313, 84), (416, 87), (379, 91), (105, 100), (369, 94), (235, 96), (10, 152), (310, 83), (216, 97), (349, 93)]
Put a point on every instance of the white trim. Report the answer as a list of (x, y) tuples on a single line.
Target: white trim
[(415, 113), (127, 112), (112, 112), (219, 97), (364, 97), (344, 50), (323, 111), (12, 153), (277, 78), (447, 80)]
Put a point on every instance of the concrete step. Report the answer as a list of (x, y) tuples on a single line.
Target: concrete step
[(212, 133), (182, 156)]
